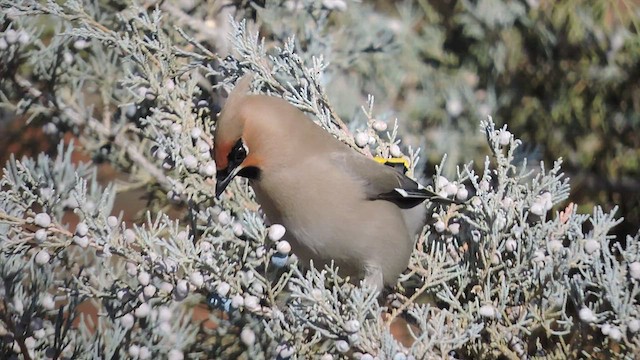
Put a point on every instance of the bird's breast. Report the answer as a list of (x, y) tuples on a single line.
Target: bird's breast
[(328, 219)]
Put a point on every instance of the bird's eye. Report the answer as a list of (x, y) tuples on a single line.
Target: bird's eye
[(239, 153)]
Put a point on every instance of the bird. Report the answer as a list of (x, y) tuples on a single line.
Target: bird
[(336, 204)]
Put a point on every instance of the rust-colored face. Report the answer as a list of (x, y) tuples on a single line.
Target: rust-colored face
[(220, 153)]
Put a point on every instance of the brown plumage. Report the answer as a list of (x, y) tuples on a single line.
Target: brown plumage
[(335, 203)]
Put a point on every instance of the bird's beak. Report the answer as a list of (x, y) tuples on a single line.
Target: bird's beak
[(224, 177)]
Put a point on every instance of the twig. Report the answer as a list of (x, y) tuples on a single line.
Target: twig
[(7, 320), (399, 310)]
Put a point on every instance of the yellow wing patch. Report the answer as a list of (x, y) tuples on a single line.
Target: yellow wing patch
[(396, 163)]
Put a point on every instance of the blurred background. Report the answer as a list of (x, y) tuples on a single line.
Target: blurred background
[(564, 76)]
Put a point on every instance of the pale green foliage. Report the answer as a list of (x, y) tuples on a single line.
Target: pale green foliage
[(508, 272)]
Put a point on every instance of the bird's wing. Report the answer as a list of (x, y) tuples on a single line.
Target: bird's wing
[(381, 182)]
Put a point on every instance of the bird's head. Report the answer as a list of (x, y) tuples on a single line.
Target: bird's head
[(233, 140), (259, 134)]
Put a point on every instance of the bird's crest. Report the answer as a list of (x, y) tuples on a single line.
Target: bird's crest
[(240, 90), (229, 126), (232, 105)]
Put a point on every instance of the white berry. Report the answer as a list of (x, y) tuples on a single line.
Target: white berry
[(143, 310), (462, 194), (251, 302), (40, 236), (82, 229), (352, 326), (362, 139), (182, 288), (342, 346), (223, 289), (197, 279), (276, 232), (555, 246), (247, 336), (134, 351), (176, 129), (441, 181), (209, 169), (145, 353), (224, 218), (488, 311), (144, 278), (504, 137), (283, 247), (81, 241), (190, 162), (112, 221), (42, 257), (175, 354), (127, 321), (591, 246), (238, 230), (451, 189), (42, 220), (129, 236), (48, 302), (634, 270), (395, 151), (507, 202), (237, 301), (586, 315), (149, 291), (615, 334), (379, 125), (537, 209), (11, 36)]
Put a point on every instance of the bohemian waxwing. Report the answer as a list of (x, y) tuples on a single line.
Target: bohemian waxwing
[(335, 203)]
